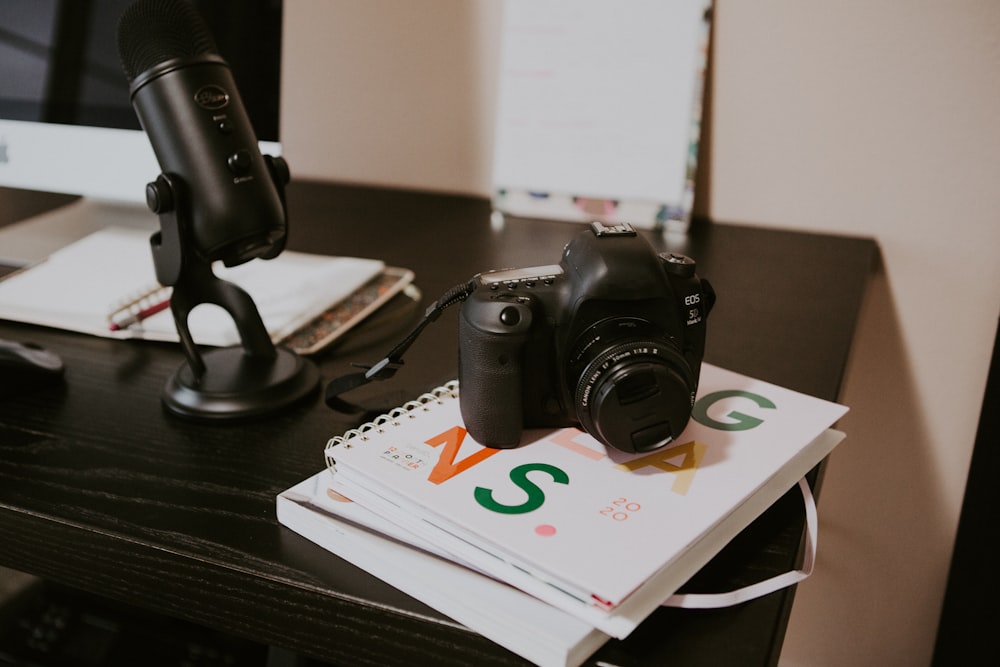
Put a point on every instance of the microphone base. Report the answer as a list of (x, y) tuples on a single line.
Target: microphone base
[(238, 386)]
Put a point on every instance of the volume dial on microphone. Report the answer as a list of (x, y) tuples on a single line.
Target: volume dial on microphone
[(239, 162)]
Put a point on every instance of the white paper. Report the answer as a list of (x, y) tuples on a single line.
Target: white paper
[(78, 286)]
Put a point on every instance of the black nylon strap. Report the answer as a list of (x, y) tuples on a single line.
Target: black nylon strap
[(392, 362)]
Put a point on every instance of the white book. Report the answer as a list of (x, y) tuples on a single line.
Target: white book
[(599, 534), (515, 620), (532, 629)]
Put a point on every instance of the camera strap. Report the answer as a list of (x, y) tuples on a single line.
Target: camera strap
[(393, 361)]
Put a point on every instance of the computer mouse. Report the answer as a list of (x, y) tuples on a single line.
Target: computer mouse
[(26, 364)]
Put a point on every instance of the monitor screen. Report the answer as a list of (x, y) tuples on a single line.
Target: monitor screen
[(66, 123)]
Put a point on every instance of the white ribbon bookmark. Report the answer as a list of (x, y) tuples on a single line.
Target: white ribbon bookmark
[(728, 599)]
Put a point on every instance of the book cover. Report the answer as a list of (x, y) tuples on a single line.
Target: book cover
[(601, 534), (515, 620)]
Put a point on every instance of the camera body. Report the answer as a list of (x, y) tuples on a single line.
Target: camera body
[(609, 340)]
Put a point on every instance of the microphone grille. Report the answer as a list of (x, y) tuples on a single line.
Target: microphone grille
[(154, 31)]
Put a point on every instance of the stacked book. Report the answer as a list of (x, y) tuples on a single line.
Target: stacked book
[(555, 546)]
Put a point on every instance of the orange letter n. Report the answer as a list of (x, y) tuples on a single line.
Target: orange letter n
[(446, 468)]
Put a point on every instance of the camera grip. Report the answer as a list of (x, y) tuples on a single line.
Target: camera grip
[(492, 334)]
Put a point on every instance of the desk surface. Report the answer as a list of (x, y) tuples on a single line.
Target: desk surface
[(101, 490)]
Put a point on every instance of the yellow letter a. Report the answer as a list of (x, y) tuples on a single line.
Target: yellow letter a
[(684, 473)]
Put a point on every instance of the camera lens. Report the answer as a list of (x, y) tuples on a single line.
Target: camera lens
[(633, 388)]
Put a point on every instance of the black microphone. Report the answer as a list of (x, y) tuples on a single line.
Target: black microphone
[(217, 198), (185, 97)]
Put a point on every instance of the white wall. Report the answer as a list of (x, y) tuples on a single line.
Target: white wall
[(858, 117)]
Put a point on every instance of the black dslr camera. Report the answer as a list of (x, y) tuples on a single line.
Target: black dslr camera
[(609, 340)]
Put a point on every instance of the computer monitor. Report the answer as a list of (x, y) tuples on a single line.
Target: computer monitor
[(66, 122)]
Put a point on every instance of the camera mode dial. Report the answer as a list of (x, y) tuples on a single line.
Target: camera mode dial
[(679, 265)]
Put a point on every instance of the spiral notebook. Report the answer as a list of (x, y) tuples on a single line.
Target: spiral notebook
[(599, 534), (79, 288)]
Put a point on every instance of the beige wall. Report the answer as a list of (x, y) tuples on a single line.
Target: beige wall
[(391, 92), (878, 118), (858, 117)]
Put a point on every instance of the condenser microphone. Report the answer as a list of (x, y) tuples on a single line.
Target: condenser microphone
[(185, 97), (217, 198)]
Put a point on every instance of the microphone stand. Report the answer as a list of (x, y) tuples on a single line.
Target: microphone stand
[(248, 380)]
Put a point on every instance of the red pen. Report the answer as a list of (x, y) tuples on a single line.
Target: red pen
[(139, 309)]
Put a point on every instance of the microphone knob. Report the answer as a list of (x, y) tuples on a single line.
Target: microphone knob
[(159, 197), (239, 162), (278, 168)]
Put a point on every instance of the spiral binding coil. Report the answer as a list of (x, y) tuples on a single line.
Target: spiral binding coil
[(410, 410)]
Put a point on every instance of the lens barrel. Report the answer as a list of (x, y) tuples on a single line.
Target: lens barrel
[(633, 389)]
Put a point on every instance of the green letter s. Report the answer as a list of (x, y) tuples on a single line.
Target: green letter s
[(519, 476)]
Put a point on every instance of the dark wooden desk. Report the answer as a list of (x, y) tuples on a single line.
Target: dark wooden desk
[(103, 491)]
